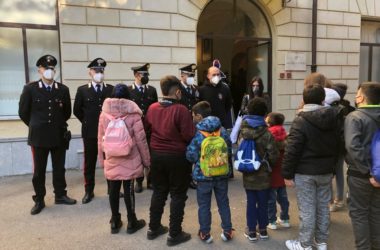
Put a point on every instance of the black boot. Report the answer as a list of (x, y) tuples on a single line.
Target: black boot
[(88, 196), (38, 206), (138, 187), (135, 225), (178, 239), (116, 224)]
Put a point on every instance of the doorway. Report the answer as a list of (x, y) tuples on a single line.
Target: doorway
[(236, 33)]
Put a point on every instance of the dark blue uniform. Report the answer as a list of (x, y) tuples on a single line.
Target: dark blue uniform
[(45, 113)]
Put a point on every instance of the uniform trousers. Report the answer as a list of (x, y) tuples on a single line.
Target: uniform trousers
[(90, 157), (40, 158)]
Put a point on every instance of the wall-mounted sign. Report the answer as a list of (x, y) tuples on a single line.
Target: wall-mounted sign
[(295, 61)]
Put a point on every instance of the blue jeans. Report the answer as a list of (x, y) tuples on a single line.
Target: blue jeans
[(279, 195), (204, 194), (257, 209)]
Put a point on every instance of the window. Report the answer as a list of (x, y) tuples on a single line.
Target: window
[(370, 52), (28, 30)]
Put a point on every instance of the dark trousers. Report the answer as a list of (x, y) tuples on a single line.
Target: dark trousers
[(280, 195), (90, 157), (257, 209), (170, 174), (40, 158), (204, 195), (364, 207), (129, 197)]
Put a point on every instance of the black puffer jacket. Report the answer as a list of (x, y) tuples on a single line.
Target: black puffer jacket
[(313, 143)]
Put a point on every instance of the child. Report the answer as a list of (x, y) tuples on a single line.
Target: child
[(310, 157), (207, 124), (171, 130), (359, 129), (122, 170), (278, 193), (257, 184)]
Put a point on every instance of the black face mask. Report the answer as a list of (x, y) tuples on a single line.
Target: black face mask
[(144, 80)]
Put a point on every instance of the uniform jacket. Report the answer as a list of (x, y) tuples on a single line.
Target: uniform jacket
[(313, 142), (208, 124), (45, 113), (189, 99), (87, 107), (254, 128), (279, 135), (130, 166), (220, 99), (359, 128), (145, 99)]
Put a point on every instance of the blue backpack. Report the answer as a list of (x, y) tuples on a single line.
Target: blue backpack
[(375, 153), (247, 160)]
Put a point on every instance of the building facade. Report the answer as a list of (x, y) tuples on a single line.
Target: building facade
[(267, 38)]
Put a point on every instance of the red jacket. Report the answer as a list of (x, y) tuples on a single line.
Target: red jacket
[(170, 125), (279, 135)]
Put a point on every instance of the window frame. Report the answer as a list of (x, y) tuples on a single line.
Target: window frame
[(24, 27), (370, 57)]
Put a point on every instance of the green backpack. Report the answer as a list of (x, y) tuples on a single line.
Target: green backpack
[(214, 155)]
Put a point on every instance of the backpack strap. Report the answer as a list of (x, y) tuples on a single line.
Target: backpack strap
[(207, 134)]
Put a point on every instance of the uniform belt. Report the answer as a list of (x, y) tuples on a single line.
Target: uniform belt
[(358, 174)]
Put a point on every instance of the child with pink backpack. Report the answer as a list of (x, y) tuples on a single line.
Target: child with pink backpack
[(123, 152)]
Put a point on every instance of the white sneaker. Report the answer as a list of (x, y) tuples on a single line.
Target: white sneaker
[(272, 225), (321, 246), (296, 245), (283, 223)]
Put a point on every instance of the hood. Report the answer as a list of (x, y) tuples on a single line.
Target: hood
[(254, 121), (209, 124), (373, 111), (120, 107), (278, 132), (331, 97), (323, 118)]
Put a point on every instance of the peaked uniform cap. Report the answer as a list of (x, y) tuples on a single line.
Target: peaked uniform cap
[(47, 61), (97, 63), (143, 68), (189, 69)]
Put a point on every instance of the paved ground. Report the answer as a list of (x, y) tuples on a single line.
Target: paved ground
[(86, 226)]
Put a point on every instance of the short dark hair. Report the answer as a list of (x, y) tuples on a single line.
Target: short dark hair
[(168, 84), (371, 92), (257, 106), (202, 108), (275, 119), (120, 91), (341, 88), (313, 94)]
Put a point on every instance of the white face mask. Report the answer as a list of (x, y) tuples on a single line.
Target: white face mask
[(215, 79), (48, 74), (98, 77), (190, 80)]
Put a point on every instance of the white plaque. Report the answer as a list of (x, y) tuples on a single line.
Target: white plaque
[(295, 61)]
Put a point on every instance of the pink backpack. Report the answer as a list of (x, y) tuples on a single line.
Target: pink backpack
[(116, 140)]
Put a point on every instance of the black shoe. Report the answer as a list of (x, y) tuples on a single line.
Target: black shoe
[(138, 187), (180, 238), (37, 208), (64, 199), (88, 196), (135, 226), (152, 234), (193, 185), (116, 224)]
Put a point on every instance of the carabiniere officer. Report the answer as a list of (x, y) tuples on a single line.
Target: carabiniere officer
[(189, 91), (143, 95), (45, 107), (87, 107)]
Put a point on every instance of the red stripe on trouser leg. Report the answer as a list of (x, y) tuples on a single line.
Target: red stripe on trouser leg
[(34, 167), (84, 163)]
